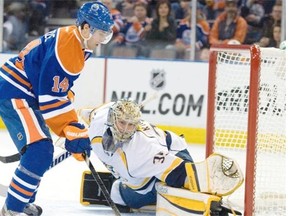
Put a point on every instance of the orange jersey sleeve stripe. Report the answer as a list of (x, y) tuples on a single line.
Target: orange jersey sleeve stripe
[(17, 77), (59, 122), (19, 65), (32, 129), (25, 51), (45, 107)]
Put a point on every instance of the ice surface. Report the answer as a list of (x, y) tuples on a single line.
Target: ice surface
[(59, 192)]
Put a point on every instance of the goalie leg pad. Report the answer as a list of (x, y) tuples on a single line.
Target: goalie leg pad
[(218, 175), (177, 201), (90, 193)]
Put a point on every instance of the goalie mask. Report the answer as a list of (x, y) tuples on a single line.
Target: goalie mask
[(124, 118)]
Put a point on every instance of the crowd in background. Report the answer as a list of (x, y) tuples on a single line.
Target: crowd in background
[(154, 29)]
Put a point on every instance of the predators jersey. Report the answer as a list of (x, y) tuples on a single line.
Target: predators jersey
[(148, 156), (45, 71)]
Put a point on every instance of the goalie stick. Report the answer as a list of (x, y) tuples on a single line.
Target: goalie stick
[(101, 185), (56, 160)]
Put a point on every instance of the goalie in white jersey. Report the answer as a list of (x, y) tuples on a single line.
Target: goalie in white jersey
[(140, 154)]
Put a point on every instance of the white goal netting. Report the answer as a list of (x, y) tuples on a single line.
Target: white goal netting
[(231, 133)]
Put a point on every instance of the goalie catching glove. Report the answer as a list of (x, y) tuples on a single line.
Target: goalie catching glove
[(77, 140), (217, 175)]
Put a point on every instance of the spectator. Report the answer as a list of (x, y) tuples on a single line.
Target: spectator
[(15, 27), (268, 22), (183, 10), (116, 16), (64, 8), (162, 31), (152, 8), (118, 25), (175, 6), (253, 12), (204, 54), (268, 5), (213, 8), (126, 7), (276, 39), (133, 32), (228, 26), (183, 41), (40, 11)]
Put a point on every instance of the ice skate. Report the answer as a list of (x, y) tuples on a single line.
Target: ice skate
[(6, 212), (32, 210)]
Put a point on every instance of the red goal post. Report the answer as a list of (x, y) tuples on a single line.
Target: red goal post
[(246, 121)]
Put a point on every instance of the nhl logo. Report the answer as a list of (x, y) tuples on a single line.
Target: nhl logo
[(157, 81)]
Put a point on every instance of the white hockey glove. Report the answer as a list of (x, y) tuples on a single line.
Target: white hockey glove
[(217, 175)]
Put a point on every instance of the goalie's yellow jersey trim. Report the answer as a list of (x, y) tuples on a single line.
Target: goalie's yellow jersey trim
[(175, 163), (96, 140), (191, 178), (2, 126)]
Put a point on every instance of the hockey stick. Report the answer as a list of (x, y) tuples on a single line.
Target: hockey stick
[(56, 160), (10, 158), (101, 185), (146, 101)]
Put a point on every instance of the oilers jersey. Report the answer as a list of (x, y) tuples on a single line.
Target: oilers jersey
[(45, 71), (139, 162)]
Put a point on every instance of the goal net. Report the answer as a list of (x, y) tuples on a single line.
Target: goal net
[(246, 121)]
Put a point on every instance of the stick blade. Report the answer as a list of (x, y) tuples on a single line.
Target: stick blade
[(10, 158)]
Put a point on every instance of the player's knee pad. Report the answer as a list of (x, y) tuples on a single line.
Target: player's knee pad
[(38, 156)]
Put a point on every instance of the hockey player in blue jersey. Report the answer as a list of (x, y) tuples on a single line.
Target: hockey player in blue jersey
[(35, 97)]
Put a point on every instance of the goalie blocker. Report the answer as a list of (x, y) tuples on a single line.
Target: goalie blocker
[(90, 192)]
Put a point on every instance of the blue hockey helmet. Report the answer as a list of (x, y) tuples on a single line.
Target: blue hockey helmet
[(96, 14)]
